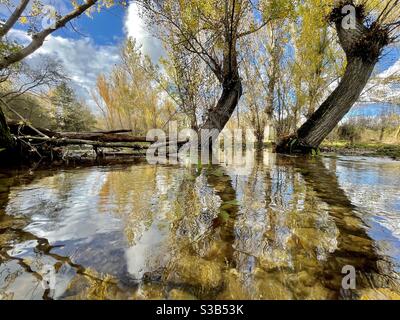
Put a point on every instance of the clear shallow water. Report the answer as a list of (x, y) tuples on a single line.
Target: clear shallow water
[(281, 228)]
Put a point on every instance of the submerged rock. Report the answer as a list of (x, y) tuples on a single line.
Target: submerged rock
[(197, 272), (379, 294), (176, 294)]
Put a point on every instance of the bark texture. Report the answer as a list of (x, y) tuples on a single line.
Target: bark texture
[(363, 46), (220, 115), (6, 140)]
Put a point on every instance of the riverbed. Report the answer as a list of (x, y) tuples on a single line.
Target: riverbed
[(279, 227)]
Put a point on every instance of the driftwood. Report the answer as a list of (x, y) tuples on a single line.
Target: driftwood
[(66, 141), (100, 136), (49, 144)]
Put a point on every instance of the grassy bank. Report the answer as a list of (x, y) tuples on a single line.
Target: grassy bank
[(364, 149)]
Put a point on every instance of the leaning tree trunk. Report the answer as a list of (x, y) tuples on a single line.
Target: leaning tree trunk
[(219, 116), (363, 46), (232, 91), (338, 104), (6, 140)]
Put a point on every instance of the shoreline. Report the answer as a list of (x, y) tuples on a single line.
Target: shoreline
[(362, 149)]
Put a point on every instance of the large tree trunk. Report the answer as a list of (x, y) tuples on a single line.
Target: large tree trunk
[(221, 113), (338, 104), (6, 140), (363, 47)]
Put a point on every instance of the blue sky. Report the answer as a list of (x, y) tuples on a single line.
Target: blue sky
[(92, 45), (95, 47), (105, 27)]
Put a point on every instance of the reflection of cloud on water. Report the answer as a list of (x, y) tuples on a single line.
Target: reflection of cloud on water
[(374, 187), (61, 207), (156, 245)]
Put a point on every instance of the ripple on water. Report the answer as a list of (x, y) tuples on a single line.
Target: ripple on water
[(280, 228)]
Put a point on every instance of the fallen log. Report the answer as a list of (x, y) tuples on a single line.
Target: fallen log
[(67, 141), (100, 137), (114, 131), (19, 129)]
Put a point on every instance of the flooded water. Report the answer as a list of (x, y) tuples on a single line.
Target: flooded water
[(281, 228)]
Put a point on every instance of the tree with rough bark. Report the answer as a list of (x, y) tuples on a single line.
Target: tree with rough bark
[(213, 30), (364, 29), (189, 84)]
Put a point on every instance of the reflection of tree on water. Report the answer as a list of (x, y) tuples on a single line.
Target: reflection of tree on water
[(196, 261), (355, 247), (282, 230), (24, 256)]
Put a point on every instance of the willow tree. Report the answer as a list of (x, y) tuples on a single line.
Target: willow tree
[(262, 70), (40, 21), (364, 29), (212, 30), (129, 96), (317, 60)]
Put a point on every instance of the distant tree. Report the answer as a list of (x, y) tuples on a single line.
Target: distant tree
[(11, 53), (70, 114), (23, 78), (33, 109), (130, 96)]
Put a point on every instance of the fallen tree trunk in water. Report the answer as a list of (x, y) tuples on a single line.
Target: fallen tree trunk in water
[(105, 136), (363, 46), (79, 142), (101, 136), (38, 143)]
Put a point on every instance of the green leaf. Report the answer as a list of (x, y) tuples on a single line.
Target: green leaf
[(232, 202), (224, 215)]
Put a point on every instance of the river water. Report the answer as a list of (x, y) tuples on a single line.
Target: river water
[(279, 228)]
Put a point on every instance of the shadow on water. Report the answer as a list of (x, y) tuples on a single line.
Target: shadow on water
[(355, 247), (279, 228)]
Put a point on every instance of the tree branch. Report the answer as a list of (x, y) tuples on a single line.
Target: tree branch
[(13, 18), (38, 38)]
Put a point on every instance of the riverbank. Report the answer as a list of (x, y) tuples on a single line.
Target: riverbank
[(362, 149)]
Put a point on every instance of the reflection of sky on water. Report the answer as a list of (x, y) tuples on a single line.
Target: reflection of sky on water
[(373, 186), (131, 222)]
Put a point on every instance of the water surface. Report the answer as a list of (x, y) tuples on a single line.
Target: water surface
[(280, 228)]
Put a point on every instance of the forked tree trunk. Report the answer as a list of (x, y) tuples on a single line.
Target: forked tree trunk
[(363, 47)]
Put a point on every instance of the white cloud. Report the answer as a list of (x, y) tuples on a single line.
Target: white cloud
[(392, 70), (82, 60), (378, 89), (136, 28)]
